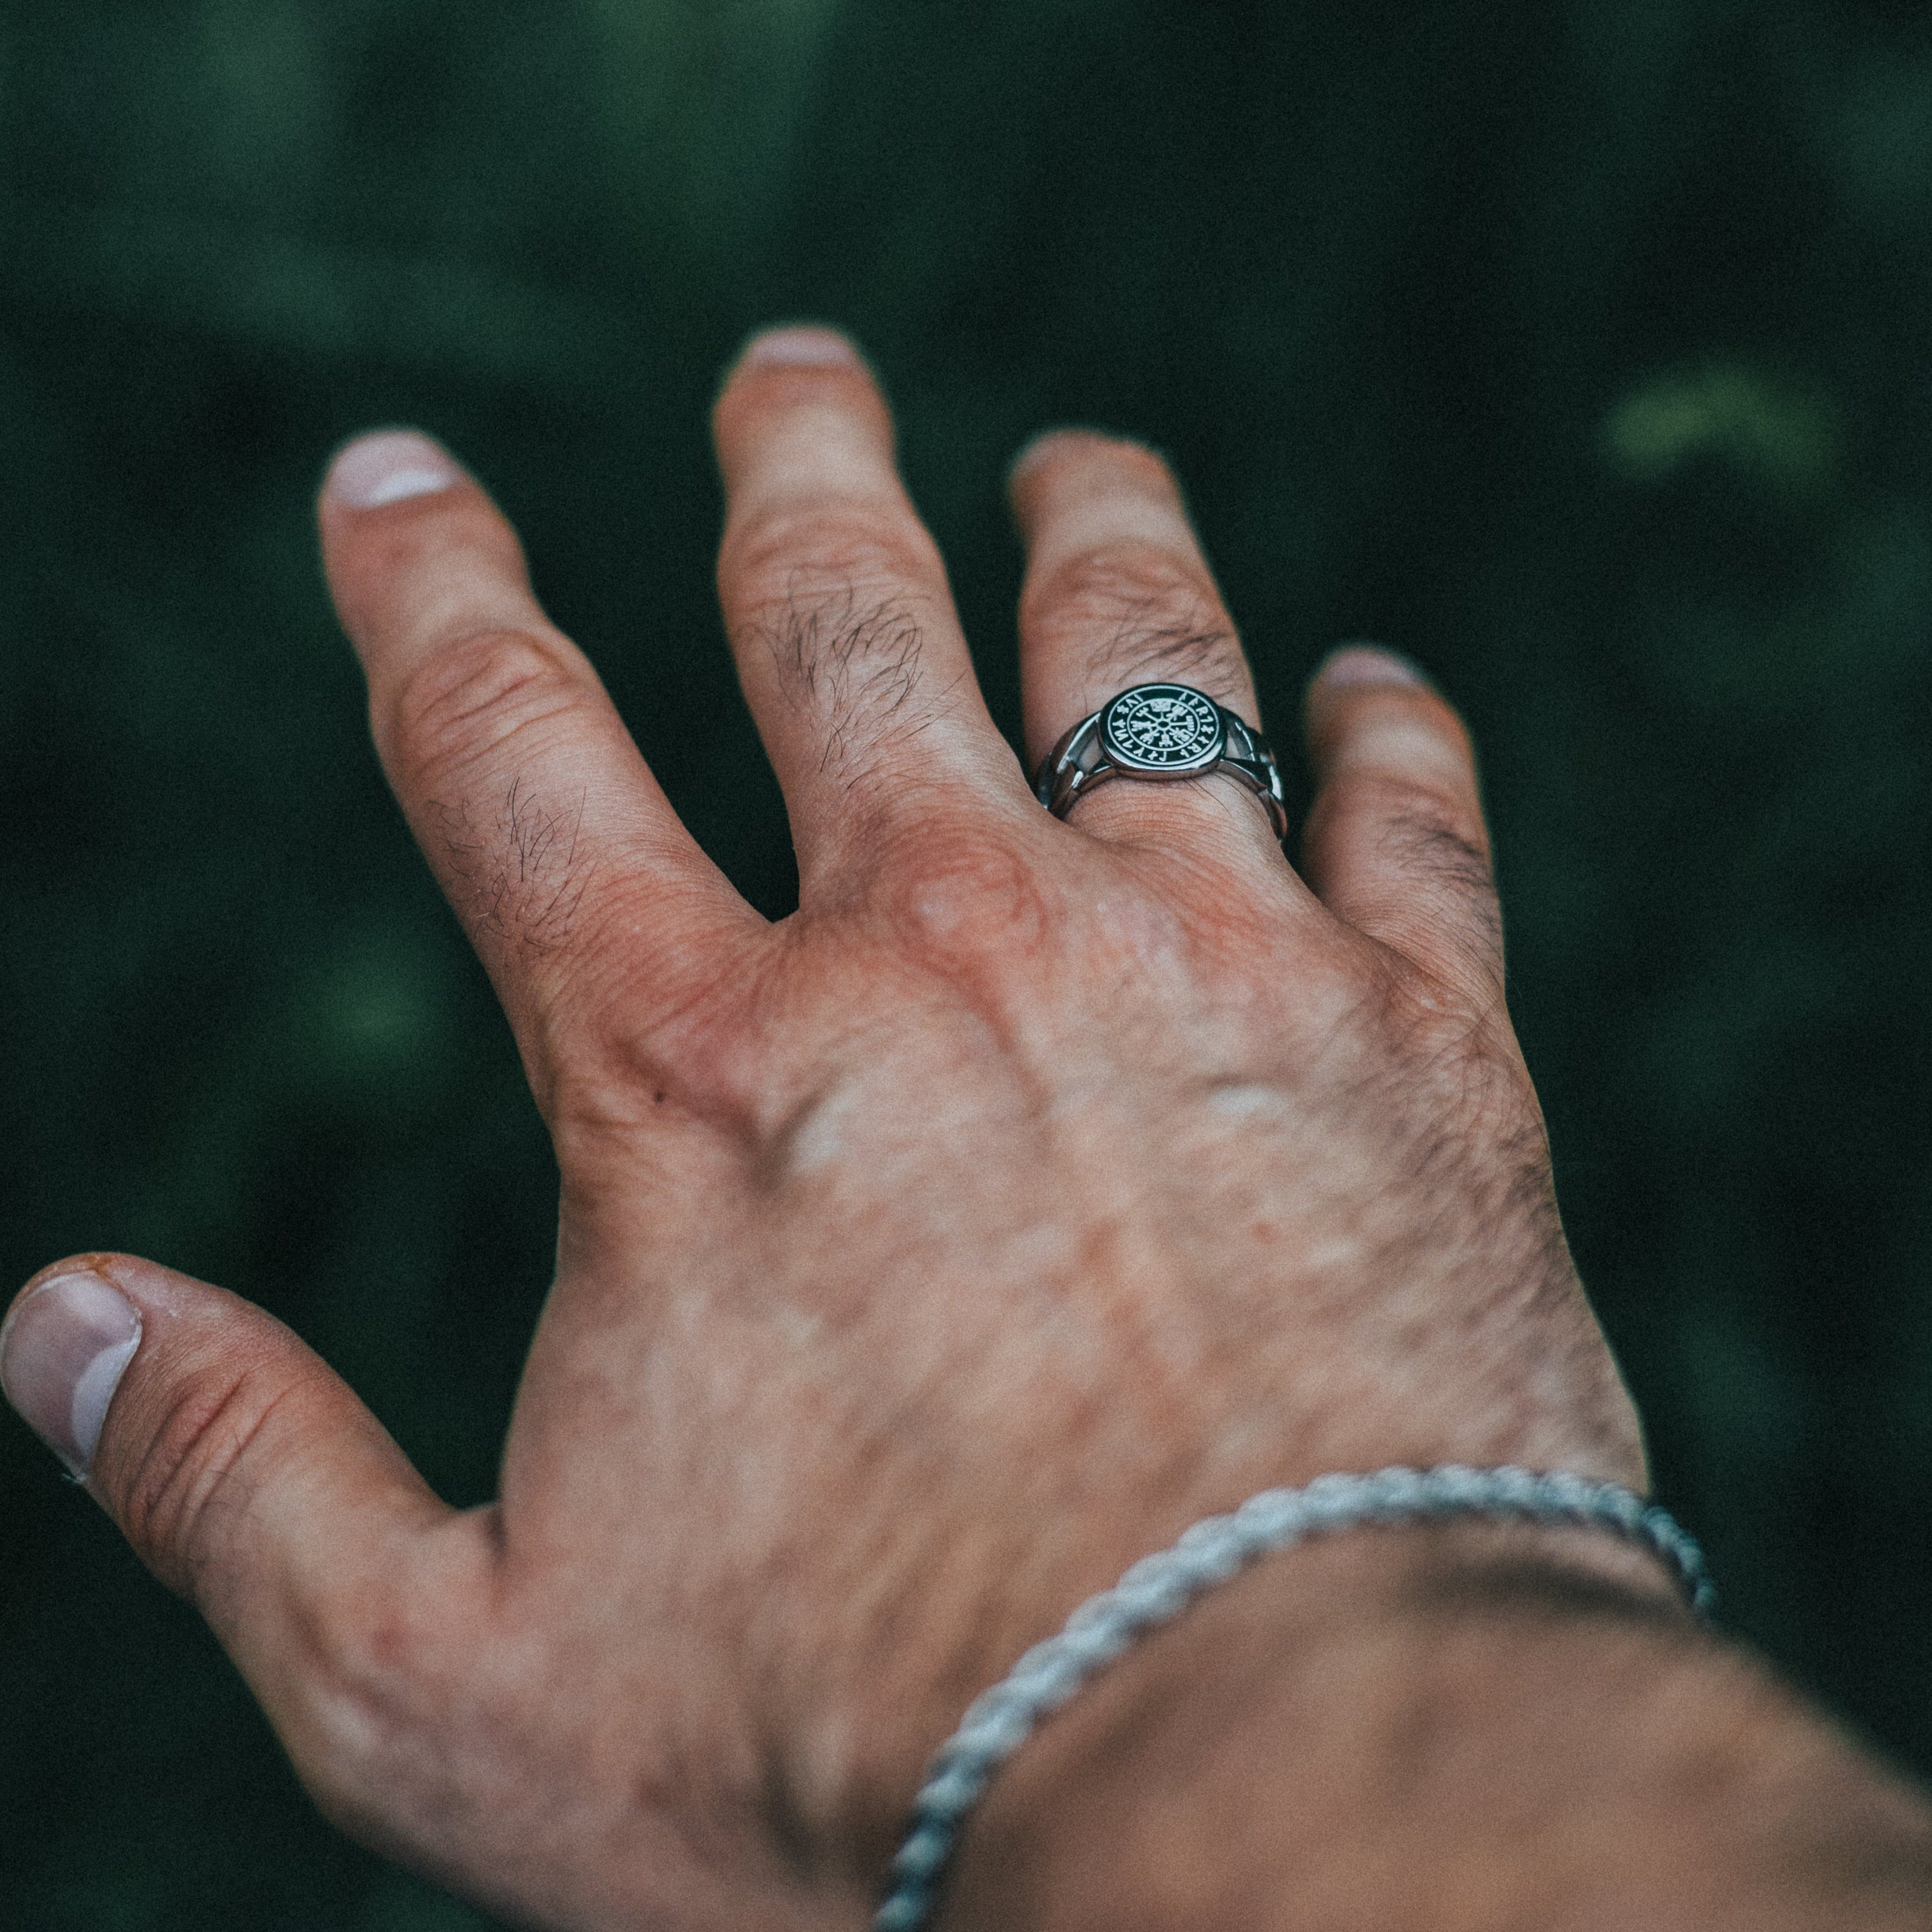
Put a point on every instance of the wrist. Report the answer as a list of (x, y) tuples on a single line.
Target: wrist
[(1462, 1724), (1286, 1613), (1306, 1693)]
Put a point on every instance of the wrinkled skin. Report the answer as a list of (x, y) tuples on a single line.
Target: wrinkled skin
[(925, 1257)]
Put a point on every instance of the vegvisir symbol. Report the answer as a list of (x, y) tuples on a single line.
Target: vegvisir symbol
[(1162, 726)]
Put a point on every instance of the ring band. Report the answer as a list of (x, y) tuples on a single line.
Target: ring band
[(1161, 732)]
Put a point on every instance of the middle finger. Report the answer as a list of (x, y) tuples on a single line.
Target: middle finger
[(839, 613)]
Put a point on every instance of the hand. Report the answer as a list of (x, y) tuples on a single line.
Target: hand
[(924, 1258)]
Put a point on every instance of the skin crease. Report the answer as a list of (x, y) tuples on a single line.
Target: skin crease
[(924, 1258)]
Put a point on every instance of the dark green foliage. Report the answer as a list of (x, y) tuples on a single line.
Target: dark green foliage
[(1579, 350)]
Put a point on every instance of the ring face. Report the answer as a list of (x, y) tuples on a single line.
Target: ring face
[(1166, 730), (1160, 731)]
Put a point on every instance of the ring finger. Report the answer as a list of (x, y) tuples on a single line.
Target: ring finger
[(1118, 593)]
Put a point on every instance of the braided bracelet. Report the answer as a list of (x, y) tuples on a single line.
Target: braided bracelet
[(1000, 1720)]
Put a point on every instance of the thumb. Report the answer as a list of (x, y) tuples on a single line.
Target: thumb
[(246, 1474)]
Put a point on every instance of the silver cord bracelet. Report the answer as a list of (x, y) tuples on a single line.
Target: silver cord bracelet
[(1000, 1720)]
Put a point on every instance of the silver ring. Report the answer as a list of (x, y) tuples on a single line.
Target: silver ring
[(1160, 731)]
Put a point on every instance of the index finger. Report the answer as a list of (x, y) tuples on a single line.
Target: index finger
[(577, 883)]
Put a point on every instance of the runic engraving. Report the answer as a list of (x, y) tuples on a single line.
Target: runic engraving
[(1162, 727)]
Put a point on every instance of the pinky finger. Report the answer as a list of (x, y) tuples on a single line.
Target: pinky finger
[(1396, 844)]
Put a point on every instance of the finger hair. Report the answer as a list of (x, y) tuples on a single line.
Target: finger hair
[(1145, 616), (1187, 650), (857, 664), (519, 878), (1427, 845), (1438, 854)]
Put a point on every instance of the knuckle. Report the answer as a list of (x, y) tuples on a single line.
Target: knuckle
[(692, 1050), (1422, 875), (962, 891), (190, 1478), (1422, 829), (1448, 868), (824, 553), (1430, 844), (379, 1736), (375, 1683), (477, 691), (1138, 607), (1106, 579), (687, 1044)]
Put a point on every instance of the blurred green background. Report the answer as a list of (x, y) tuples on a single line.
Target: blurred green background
[(1581, 350)]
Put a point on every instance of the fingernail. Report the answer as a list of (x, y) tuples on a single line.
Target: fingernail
[(62, 1353), (800, 347), (1037, 447), (388, 466), (1369, 663)]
